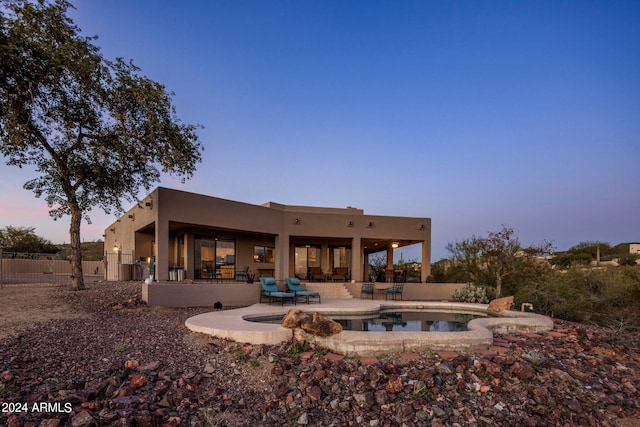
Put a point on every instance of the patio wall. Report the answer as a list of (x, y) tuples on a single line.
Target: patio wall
[(418, 291), (244, 294), (201, 294)]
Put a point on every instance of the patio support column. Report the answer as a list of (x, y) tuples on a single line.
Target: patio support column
[(426, 261), (357, 262), (282, 257), (366, 270), (162, 250), (189, 266), (389, 258)]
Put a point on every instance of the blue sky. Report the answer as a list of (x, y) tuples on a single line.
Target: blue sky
[(472, 113)]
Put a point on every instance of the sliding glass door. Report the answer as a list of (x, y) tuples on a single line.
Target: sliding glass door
[(215, 258), (307, 259)]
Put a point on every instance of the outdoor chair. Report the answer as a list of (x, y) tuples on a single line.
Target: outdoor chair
[(340, 274), (270, 290), (366, 289), (294, 285), (241, 275), (395, 291), (315, 273), (208, 272)]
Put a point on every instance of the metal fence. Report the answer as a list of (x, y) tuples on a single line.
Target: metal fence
[(23, 269)]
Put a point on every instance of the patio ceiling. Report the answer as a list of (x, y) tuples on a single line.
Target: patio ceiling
[(379, 245)]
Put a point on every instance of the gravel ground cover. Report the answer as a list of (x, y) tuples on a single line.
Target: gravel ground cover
[(108, 359)]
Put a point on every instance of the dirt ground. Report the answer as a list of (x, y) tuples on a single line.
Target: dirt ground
[(24, 306)]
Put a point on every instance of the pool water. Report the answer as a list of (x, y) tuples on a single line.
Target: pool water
[(390, 321)]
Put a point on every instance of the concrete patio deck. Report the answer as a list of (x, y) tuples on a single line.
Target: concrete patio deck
[(232, 324)]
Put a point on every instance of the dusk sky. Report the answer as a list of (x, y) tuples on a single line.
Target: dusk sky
[(473, 113)]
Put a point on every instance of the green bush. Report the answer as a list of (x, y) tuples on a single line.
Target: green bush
[(471, 294)]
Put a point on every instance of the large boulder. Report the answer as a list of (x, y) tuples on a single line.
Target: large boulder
[(501, 304), (320, 326), (316, 324), (293, 318)]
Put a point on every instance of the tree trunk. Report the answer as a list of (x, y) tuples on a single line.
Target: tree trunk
[(77, 279), (498, 285)]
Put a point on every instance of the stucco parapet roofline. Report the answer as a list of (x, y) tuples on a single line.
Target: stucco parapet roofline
[(314, 209)]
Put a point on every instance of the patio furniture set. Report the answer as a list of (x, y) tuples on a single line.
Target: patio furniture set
[(339, 274), (378, 289)]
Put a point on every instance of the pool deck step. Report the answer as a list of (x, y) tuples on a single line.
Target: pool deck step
[(329, 290)]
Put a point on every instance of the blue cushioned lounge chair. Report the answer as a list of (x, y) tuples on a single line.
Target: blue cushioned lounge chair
[(294, 285), (270, 290)]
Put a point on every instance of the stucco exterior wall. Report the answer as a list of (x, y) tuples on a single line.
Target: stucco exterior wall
[(243, 294)]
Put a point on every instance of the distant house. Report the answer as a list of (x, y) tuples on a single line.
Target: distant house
[(211, 239)]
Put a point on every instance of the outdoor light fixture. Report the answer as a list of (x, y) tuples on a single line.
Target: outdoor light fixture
[(296, 220), (349, 223), (394, 245)]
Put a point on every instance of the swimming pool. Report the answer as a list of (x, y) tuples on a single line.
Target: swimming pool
[(395, 320), (235, 324)]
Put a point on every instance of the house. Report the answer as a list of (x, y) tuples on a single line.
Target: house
[(176, 235)]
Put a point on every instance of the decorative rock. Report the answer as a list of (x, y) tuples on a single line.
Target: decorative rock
[(51, 422), (381, 397), (501, 304), (14, 421), (524, 371), (83, 419), (137, 381), (321, 326), (314, 393), (6, 376), (131, 364), (364, 400), (445, 368), (151, 366), (304, 419), (394, 385)]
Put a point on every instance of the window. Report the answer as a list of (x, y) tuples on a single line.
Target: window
[(264, 254)]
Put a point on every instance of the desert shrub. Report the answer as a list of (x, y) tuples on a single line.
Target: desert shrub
[(471, 294), (556, 295), (608, 297), (628, 260)]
